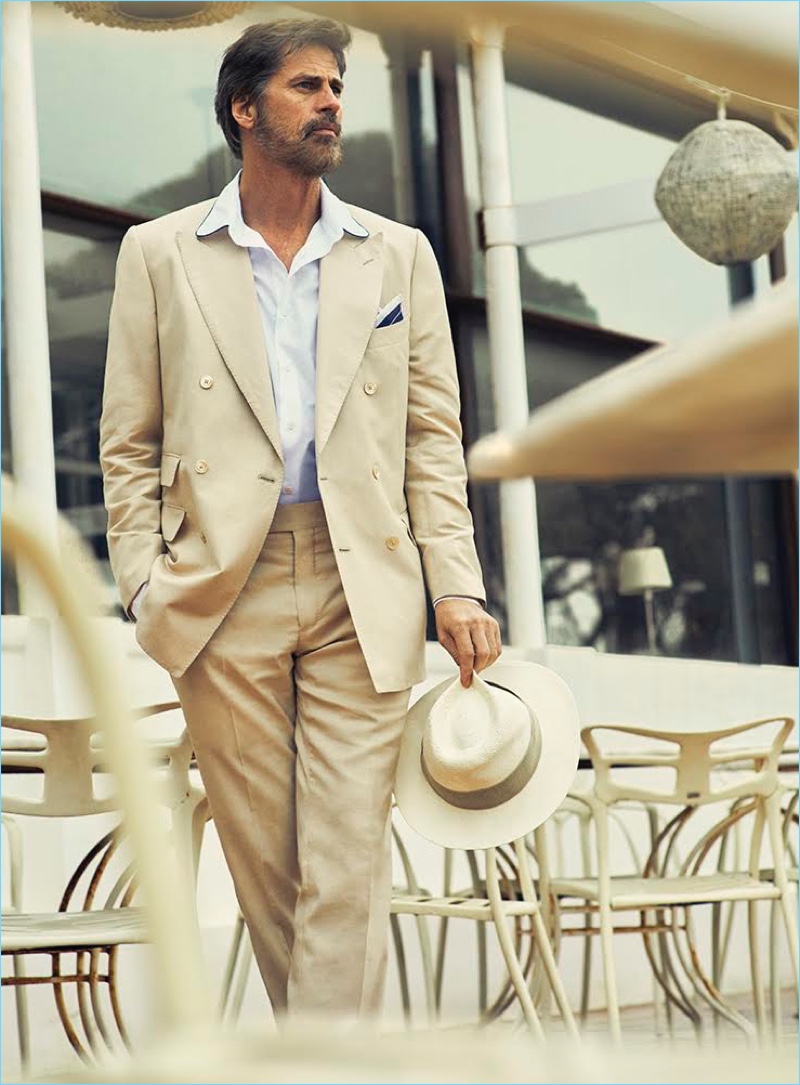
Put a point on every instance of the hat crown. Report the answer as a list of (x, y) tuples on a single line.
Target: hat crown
[(476, 737)]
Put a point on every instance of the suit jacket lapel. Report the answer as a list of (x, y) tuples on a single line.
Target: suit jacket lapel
[(221, 278), (349, 297)]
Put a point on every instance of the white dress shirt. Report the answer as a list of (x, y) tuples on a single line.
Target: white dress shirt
[(288, 302)]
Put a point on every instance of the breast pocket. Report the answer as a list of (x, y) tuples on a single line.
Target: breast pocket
[(389, 336)]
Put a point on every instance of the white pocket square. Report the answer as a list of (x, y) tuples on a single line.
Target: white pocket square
[(391, 313)]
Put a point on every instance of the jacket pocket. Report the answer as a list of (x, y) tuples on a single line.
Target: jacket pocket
[(171, 519), (169, 468)]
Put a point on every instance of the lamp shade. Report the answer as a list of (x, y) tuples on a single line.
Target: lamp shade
[(152, 14), (728, 191), (643, 569)]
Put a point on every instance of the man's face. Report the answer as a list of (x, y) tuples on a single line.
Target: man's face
[(298, 117)]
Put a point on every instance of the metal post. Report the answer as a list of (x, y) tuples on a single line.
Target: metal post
[(741, 287), (650, 621), (399, 59), (27, 348), (524, 602)]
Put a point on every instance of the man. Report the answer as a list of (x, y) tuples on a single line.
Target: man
[(282, 460)]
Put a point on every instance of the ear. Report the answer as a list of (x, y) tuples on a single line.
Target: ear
[(244, 112)]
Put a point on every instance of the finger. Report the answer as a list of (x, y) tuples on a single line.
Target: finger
[(465, 655), (484, 653), (448, 643), (493, 637)]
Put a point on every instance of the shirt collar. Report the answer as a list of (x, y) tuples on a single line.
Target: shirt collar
[(335, 218)]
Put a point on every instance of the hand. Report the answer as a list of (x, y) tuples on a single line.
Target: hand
[(469, 634)]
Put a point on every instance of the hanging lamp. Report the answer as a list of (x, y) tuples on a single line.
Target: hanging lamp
[(728, 191)]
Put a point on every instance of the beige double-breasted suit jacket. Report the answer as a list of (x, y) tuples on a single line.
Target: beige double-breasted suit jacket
[(191, 452)]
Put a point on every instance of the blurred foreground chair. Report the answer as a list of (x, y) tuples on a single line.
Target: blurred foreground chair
[(692, 763), (188, 1045), (56, 768), (789, 819), (12, 904)]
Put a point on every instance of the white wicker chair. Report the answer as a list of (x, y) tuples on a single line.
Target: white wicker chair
[(693, 760), (65, 760)]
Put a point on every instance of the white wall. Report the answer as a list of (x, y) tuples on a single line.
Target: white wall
[(39, 677)]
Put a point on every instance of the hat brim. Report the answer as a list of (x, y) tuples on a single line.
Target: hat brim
[(553, 705)]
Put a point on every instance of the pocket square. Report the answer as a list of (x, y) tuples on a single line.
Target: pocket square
[(391, 313)]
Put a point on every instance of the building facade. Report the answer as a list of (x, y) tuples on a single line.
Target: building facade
[(127, 133)]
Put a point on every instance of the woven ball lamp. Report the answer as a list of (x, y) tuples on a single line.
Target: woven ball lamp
[(728, 191)]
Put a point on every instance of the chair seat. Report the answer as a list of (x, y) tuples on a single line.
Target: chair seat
[(55, 931), (652, 892), (463, 907)]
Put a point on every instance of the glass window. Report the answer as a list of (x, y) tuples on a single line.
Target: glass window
[(640, 280), (584, 527), (79, 275), (126, 118)]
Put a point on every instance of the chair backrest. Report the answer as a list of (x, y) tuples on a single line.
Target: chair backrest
[(696, 762), (67, 757)]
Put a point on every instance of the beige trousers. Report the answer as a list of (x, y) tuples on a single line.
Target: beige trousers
[(297, 753)]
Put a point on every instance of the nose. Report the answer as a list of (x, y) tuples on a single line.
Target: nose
[(327, 102)]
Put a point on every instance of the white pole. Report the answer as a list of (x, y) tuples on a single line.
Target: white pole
[(398, 57), (27, 349), (524, 603)]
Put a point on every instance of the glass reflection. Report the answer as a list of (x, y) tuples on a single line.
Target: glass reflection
[(126, 119)]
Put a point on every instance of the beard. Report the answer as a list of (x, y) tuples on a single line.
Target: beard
[(309, 154)]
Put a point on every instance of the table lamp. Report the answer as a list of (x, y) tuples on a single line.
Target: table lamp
[(641, 572)]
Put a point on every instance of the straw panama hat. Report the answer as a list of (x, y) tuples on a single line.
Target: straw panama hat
[(483, 766)]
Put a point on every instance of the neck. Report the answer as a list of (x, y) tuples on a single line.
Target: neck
[(278, 202)]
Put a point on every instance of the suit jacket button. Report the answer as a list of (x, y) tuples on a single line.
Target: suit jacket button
[(370, 388), (376, 471), (392, 542), (206, 382), (201, 467)]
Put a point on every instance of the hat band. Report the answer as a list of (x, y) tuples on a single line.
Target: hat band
[(486, 798)]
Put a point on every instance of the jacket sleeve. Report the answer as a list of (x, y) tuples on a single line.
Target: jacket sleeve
[(131, 424), (436, 475)]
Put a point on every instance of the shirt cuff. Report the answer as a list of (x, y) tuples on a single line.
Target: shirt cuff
[(469, 598)]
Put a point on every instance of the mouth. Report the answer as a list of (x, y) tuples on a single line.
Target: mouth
[(325, 130)]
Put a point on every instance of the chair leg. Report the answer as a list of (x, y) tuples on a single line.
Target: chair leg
[(755, 968), (239, 960), (774, 977), (790, 922), (787, 898), (586, 971), (402, 971), (507, 947), (428, 975), (441, 944), (609, 974), (554, 976), (588, 940), (480, 934), (23, 1023)]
